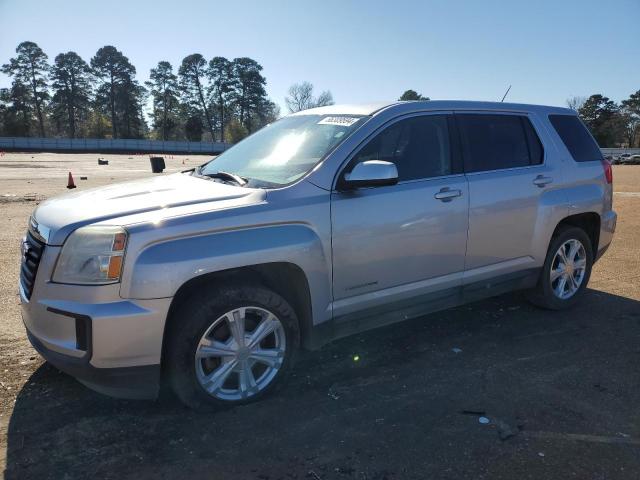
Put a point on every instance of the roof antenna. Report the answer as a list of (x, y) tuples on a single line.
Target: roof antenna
[(505, 94)]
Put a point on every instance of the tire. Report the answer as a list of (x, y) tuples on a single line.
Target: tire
[(546, 293), (207, 325)]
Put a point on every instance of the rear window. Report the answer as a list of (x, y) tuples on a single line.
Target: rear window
[(576, 138), (494, 142)]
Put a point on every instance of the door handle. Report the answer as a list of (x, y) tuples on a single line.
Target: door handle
[(446, 194), (541, 181)]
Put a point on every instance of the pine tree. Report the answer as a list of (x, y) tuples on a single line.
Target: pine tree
[(223, 83), (163, 87), (192, 75), (119, 94), (250, 95), (30, 69), (71, 77)]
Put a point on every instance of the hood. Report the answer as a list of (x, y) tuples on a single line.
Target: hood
[(63, 214)]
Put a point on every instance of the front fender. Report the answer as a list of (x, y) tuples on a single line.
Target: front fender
[(161, 268)]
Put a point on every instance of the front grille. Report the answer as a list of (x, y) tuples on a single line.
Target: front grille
[(32, 253)]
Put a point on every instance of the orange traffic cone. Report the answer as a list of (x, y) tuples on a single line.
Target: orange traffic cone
[(183, 161), (70, 183)]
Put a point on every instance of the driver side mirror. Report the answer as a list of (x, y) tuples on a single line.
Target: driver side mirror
[(371, 173)]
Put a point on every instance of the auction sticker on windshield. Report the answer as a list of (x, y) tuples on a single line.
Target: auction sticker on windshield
[(341, 121)]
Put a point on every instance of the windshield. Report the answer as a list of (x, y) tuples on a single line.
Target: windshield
[(286, 150)]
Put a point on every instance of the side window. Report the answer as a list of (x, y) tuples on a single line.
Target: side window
[(419, 146), (494, 142), (576, 138), (536, 152)]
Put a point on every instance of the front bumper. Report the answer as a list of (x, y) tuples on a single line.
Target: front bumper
[(141, 382), (112, 345)]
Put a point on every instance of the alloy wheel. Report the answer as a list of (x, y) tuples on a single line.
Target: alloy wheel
[(240, 353), (568, 269)]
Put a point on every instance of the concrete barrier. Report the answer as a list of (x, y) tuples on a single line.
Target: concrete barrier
[(120, 145)]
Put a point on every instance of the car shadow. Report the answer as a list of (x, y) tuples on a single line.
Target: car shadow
[(371, 405)]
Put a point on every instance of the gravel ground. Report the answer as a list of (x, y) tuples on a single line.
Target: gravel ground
[(560, 390)]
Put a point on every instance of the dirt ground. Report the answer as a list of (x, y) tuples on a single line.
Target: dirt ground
[(561, 390)]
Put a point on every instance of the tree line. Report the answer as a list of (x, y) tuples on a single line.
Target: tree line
[(214, 100)]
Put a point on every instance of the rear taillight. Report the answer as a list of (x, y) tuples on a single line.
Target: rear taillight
[(608, 171)]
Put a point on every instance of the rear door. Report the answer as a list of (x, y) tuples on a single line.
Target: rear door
[(504, 162)]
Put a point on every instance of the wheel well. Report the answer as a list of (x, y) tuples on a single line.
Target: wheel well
[(589, 222), (286, 279)]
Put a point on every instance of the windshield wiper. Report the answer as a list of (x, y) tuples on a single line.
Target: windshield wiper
[(197, 172), (227, 176)]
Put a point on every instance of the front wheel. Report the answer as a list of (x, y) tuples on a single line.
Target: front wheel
[(566, 270), (230, 346)]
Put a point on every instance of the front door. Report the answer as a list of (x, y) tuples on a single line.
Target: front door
[(399, 244)]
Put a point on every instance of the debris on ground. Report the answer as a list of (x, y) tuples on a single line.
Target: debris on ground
[(456, 350), (505, 431), (473, 412), (484, 420)]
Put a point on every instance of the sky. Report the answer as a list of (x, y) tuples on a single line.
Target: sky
[(361, 51)]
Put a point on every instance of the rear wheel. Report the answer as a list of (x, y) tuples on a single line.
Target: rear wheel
[(232, 348), (566, 270)]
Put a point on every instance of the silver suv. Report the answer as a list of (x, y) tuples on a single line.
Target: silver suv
[(325, 223)]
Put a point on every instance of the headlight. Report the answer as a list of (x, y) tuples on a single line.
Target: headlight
[(92, 256)]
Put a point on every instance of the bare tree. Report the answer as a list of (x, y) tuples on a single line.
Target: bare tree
[(574, 103), (301, 97), (325, 98)]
